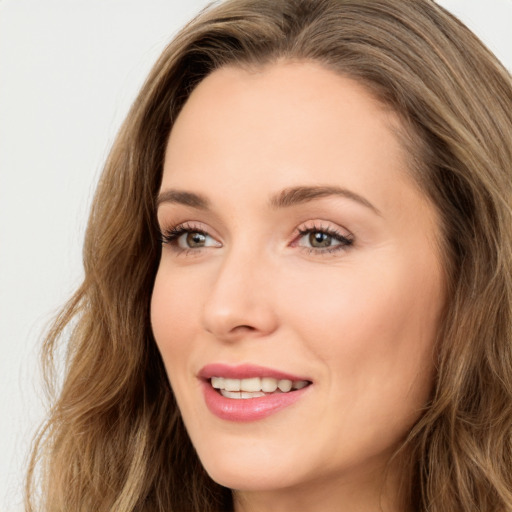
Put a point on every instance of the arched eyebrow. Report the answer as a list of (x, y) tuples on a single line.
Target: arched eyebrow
[(299, 195), (286, 198), (183, 197)]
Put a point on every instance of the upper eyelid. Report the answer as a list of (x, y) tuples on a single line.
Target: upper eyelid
[(188, 225), (309, 225), (184, 227), (323, 225)]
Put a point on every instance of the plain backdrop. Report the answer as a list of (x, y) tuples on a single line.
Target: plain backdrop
[(69, 70)]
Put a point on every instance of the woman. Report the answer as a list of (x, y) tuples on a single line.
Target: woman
[(298, 274)]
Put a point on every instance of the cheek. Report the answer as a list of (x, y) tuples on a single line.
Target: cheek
[(173, 314), (373, 325)]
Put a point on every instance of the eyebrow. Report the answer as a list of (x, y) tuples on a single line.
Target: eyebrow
[(299, 195), (183, 197), (286, 198)]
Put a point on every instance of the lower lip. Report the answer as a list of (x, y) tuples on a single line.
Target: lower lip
[(248, 409)]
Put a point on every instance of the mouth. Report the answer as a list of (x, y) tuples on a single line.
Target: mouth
[(248, 393), (255, 387)]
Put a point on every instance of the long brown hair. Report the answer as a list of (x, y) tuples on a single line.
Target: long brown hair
[(114, 439)]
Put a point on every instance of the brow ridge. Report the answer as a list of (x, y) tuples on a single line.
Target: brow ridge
[(183, 197), (298, 195), (288, 197)]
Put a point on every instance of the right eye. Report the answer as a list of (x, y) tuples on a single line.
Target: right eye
[(188, 238), (194, 240)]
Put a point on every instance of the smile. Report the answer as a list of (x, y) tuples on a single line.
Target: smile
[(248, 393), (254, 387)]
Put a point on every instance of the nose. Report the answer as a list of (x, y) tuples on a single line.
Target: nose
[(239, 302)]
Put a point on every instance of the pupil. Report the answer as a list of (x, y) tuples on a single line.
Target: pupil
[(195, 239), (319, 239)]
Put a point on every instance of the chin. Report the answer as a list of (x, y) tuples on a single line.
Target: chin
[(250, 473), (243, 478)]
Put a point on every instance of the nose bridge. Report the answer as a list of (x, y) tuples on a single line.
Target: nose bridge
[(239, 298)]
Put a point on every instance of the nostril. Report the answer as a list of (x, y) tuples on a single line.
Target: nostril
[(245, 328)]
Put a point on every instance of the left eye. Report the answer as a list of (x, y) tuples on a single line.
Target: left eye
[(323, 239), (319, 239)]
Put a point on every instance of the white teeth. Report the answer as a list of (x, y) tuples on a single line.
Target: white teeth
[(256, 386), (231, 384), (285, 385), (241, 394), (217, 382), (250, 384), (268, 384)]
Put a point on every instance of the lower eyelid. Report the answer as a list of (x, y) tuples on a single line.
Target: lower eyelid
[(328, 249)]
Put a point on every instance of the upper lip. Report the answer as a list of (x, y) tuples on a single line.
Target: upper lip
[(244, 371)]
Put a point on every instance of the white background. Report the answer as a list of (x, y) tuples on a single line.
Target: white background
[(69, 70)]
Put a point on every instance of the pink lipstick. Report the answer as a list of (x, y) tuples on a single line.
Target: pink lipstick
[(247, 392)]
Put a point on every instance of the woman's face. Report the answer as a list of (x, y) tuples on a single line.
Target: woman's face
[(299, 252)]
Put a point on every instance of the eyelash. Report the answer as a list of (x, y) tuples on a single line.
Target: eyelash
[(171, 235), (344, 241)]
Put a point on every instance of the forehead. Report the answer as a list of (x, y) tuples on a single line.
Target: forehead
[(282, 125), (304, 97)]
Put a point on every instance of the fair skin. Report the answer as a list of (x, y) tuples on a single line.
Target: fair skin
[(340, 285)]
